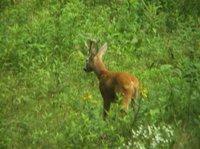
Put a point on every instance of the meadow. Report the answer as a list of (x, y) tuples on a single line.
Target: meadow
[(48, 101)]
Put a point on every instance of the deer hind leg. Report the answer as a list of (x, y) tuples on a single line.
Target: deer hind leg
[(134, 98), (127, 97), (135, 103)]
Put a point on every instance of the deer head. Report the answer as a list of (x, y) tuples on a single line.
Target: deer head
[(94, 61)]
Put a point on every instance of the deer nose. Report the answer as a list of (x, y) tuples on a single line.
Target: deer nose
[(84, 69)]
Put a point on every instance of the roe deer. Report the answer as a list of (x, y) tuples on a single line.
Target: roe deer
[(110, 83)]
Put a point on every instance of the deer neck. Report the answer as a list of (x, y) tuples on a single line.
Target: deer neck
[(100, 69)]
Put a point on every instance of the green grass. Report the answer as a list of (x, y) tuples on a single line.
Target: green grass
[(48, 101)]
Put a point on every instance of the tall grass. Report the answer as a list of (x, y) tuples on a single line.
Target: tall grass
[(46, 100)]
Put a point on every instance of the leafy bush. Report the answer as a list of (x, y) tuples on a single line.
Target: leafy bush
[(46, 100), (151, 137)]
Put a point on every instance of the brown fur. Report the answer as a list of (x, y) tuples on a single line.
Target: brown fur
[(111, 83)]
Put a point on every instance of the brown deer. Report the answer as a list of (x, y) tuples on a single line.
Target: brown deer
[(111, 83)]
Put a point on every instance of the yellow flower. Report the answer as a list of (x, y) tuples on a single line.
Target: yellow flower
[(144, 92), (87, 96)]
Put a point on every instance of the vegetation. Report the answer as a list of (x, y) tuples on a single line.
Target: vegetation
[(47, 100)]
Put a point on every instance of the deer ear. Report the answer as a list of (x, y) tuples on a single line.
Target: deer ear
[(102, 50)]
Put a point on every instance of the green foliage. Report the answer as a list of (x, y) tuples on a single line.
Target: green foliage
[(46, 100)]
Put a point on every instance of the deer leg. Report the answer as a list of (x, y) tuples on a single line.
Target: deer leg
[(133, 104), (126, 100), (108, 97), (106, 108), (134, 98), (136, 104)]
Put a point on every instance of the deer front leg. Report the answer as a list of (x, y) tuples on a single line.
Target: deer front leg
[(108, 97), (106, 108)]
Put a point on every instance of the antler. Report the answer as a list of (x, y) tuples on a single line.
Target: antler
[(90, 44)]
